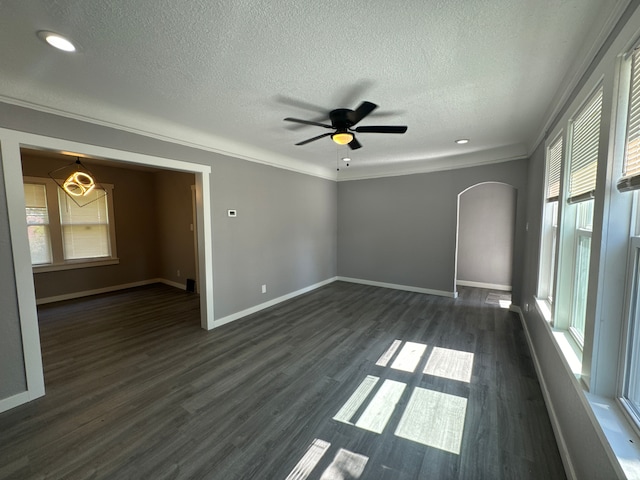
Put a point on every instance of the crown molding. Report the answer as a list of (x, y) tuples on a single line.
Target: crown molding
[(191, 139), (573, 77), (455, 162)]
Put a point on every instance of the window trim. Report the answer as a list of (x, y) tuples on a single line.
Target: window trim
[(632, 284), (55, 231), (549, 232)]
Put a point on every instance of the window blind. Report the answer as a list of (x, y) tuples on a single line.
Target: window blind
[(584, 150), (631, 168), (554, 161), (85, 230)]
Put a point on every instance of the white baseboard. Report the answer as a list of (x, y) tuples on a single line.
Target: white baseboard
[(560, 440), (243, 313), (113, 288), (491, 286), (181, 286), (394, 286)]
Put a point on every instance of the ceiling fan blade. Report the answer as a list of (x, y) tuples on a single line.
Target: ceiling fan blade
[(354, 144), (362, 111), (307, 122), (294, 102), (304, 142), (382, 129)]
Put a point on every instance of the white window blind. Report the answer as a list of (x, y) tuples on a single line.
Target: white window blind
[(85, 230), (554, 161), (35, 199), (631, 166), (584, 150)]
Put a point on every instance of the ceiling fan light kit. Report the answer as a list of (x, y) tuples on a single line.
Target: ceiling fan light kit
[(343, 121), (342, 138)]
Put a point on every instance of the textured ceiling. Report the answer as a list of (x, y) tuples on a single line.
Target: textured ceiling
[(224, 73)]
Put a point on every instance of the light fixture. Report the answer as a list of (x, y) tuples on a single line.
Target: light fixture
[(342, 137), (78, 183), (462, 141), (57, 41), (346, 159)]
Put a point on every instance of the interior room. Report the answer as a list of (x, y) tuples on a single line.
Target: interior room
[(316, 240)]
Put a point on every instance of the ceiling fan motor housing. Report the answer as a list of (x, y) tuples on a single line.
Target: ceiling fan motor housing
[(340, 118)]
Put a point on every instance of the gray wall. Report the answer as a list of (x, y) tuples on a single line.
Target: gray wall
[(12, 376), (284, 236), (402, 230), (174, 217), (486, 228), (290, 240), (585, 449)]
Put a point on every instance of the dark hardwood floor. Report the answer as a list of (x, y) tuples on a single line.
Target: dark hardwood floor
[(346, 382)]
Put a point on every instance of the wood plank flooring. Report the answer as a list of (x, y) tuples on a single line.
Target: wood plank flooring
[(346, 382)]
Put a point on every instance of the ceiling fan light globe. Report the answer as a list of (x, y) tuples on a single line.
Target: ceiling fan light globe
[(342, 138)]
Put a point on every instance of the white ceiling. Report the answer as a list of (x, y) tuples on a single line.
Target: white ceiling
[(224, 73)]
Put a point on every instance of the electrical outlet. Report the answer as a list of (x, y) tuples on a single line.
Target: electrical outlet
[(264, 289), (178, 273)]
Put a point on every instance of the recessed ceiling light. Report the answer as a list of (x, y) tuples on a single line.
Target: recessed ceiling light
[(57, 41), (462, 141), (346, 159)]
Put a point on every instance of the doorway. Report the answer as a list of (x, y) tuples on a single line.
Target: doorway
[(485, 236), (11, 141)]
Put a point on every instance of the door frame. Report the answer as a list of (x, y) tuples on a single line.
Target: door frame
[(11, 141)]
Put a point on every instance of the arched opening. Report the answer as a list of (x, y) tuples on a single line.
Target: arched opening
[(485, 236)]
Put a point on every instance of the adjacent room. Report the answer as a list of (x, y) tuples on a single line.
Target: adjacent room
[(311, 240)]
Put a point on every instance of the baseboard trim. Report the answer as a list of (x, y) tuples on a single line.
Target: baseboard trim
[(394, 286), (249, 311), (181, 286), (491, 286), (112, 288), (562, 444)]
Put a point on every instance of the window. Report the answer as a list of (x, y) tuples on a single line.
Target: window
[(85, 230), (631, 376), (631, 168), (550, 221), (576, 222), (630, 181), (35, 199), (62, 234), (581, 270), (585, 137)]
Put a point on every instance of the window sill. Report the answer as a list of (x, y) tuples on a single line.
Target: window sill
[(624, 443), (570, 349), (619, 435), (544, 309), (568, 346), (75, 265)]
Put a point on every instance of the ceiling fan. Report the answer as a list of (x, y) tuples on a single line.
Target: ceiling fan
[(342, 122)]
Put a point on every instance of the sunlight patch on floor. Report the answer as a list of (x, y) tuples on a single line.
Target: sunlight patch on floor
[(384, 359), (452, 364), (379, 411), (345, 466), (434, 419), (310, 459), (358, 397), (409, 357)]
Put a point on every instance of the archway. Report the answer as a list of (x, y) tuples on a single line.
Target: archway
[(485, 236)]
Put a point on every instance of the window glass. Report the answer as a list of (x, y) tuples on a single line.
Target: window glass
[(35, 196)]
